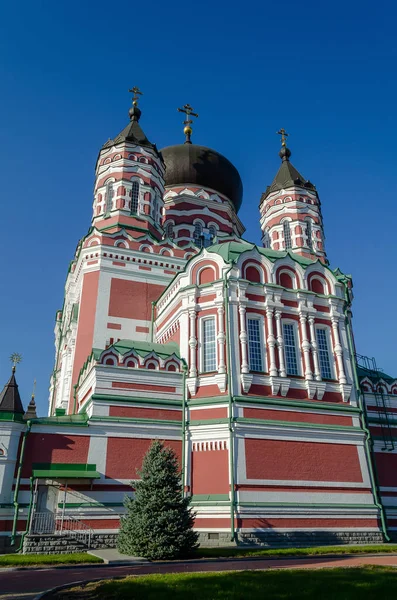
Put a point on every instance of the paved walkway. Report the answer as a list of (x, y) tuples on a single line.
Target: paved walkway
[(22, 584)]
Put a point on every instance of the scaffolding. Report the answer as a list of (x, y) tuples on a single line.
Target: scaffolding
[(368, 368)]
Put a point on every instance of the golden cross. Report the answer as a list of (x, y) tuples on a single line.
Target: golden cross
[(15, 358), (137, 92), (284, 136), (188, 110)]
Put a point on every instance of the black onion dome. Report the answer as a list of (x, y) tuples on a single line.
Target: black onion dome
[(201, 166)]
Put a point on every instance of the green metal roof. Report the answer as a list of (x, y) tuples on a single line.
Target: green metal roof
[(363, 373), (145, 348), (231, 251), (65, 471)]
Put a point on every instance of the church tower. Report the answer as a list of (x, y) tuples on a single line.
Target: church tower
[(122, 265), (290, 211)]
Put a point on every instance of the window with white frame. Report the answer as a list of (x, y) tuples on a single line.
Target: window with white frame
[(134, 197), (212, 233), (255, 347), (266, 240), (208, 345), (323, 353), (198, 235), (309, 234), (290, 350), (109, 196), (287, 235), (169, 230)]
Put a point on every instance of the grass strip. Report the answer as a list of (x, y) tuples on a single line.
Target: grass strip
[(29, 560), (363, 583), (317, 550)]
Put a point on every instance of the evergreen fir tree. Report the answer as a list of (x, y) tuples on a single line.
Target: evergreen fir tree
[(158, 521)]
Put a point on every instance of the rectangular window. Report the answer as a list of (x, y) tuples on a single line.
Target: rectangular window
[(323, 353), (209, 346), (254, 345), (291, 361)]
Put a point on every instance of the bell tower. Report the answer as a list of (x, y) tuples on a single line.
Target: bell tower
[(290, 211), (129, 183)]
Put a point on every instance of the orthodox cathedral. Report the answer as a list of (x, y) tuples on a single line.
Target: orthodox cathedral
[(240, 357)]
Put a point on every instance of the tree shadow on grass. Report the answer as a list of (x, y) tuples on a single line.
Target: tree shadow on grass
[(343, 584)]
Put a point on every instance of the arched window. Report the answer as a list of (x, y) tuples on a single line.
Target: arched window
[(134, 197), (213, 232), (169, 231), (109, 196), (266, 240), (309, 234), (154, 210), (198, 235), (287, 235)]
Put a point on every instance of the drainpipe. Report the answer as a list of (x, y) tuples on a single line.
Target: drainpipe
[(368, 438), (29, 519), (183, 474), (74, 398), (230, 395), (18, 482), (152, 322)]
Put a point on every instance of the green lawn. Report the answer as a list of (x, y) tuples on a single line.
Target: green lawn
[(27, 560), (241, 552), (364, 583)]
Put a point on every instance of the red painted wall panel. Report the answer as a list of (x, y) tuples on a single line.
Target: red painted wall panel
[(132, 299), (302, 461), (145, 413), (279, 415), (387, 468), (210, 472), (124, 456), (208, 413), (306, 523), (85, 331), (54, 448)]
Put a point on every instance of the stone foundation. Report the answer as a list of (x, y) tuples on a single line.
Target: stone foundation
[(293, 539), (59, 544)]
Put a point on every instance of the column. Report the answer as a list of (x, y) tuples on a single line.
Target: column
[(221, 338), (305, 346), (243, 340), (192, 343), (280, 344), (271, 342), (313, 343), (338, 350)]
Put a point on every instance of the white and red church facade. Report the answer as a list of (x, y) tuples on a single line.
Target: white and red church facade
[(240, 357)]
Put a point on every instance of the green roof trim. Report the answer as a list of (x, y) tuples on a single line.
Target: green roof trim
[(231, 251), (374, 376), (79, 420), (145, 348), (65, 471)]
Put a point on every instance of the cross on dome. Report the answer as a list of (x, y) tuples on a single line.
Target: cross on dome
[(284, 136), (188, 110), (137, 92)]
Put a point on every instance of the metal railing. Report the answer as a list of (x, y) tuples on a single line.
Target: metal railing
[(60, 524)]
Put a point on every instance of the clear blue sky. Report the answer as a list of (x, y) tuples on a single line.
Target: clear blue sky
[(324, 71)]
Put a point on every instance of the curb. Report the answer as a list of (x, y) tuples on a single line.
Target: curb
[(65, 586)]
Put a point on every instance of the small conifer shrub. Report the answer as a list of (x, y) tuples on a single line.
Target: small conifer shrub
[(158, 523)]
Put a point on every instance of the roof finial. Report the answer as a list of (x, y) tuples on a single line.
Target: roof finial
[(15, 358), (34, 390), (285, 152), (135, 112), (188, 110)]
